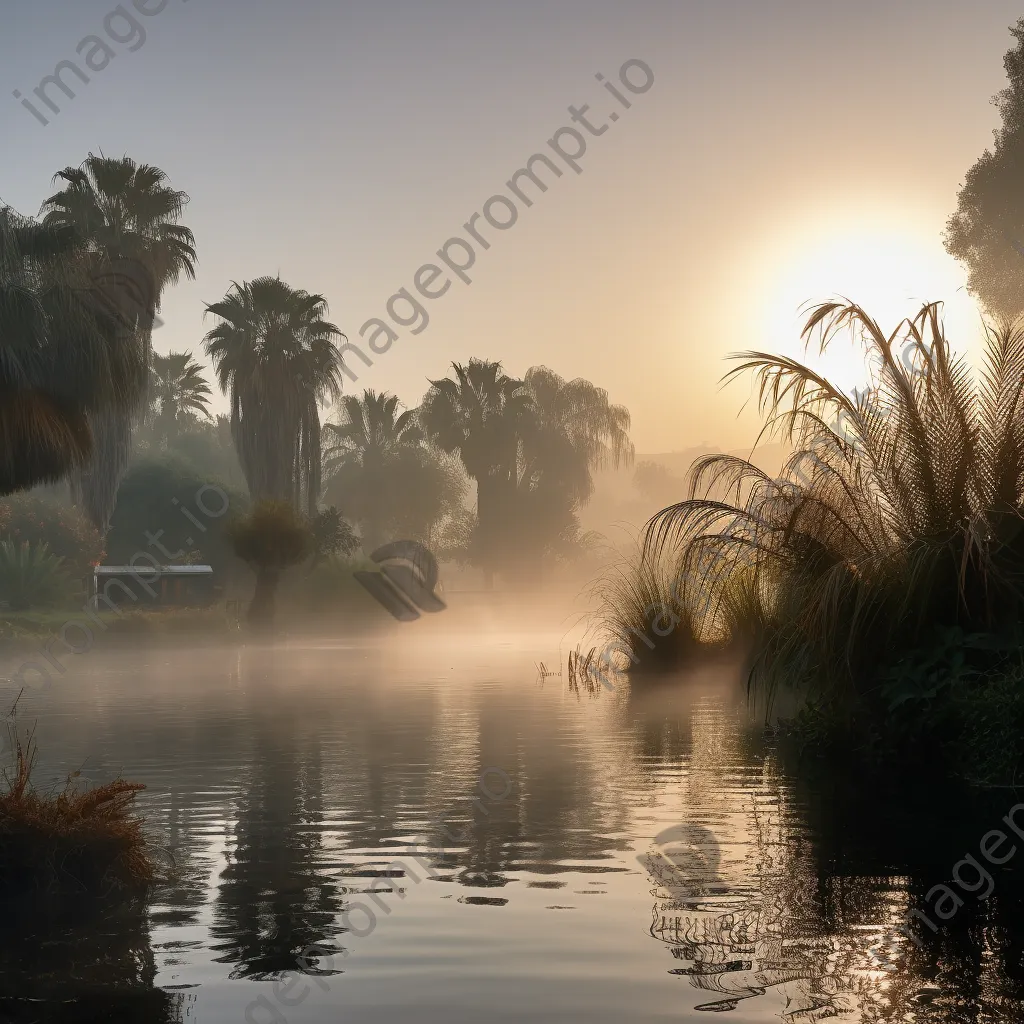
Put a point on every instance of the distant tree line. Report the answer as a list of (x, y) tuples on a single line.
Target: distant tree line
[(85, 400)]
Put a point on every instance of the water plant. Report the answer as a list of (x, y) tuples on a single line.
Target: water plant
[(903, 521)]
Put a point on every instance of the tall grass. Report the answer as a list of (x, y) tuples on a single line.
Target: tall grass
[(897, 515), (71, 842), (642, 604)]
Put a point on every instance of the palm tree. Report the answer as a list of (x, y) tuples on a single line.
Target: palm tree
[(370, 431), (478, 416), (129, 217), (60, 363), (361, 454), (276, 357), (530, 445), (177, 386)]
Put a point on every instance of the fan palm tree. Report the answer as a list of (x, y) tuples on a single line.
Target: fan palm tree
[(479, 416), (178, 388), (370, 431), (60, 362), (908, 519), (531, 445), (129, 218), (277, 359), (362, 455)]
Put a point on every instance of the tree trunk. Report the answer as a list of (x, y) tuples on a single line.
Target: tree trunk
[(262, 607), (94, 488)]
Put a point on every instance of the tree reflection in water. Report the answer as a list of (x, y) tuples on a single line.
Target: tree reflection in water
[(93, 962), (777, 919)]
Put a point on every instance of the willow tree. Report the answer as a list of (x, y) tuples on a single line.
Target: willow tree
[(61, 363), (277, 359), (129, 218)]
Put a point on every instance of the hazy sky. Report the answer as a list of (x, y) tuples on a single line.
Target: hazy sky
[(784, 151)]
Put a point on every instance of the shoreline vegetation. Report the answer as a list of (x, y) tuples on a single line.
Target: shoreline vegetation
[(877, 581), (74, 842)]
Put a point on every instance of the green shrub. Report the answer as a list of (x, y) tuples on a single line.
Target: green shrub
[(330, 585), (153, 498), (63, 528), (30, 576), (271, 538)]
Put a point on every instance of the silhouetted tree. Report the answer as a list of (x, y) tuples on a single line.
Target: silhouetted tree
[(271, 539), (61, 360), (129, 217), (177, 388), (277, 360), (987, 231)]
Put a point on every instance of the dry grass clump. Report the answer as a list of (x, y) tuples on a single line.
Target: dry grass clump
[(72, 842)]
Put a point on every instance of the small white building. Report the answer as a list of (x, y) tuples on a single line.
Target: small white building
[(164, 585)]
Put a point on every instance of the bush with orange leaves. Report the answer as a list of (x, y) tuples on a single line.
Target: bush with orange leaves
[(72, 842)]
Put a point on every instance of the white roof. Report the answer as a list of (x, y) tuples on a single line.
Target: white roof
[(121, 570)]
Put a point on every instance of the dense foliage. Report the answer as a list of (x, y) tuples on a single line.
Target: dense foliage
[(900, 526), (987, 231), (128, 217), (30, 576), (62, 528), (271, 538), (379, 466), (63, 358), (150, 516), (530, 445)]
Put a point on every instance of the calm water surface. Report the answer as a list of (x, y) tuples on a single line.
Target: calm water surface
[(420, 829)]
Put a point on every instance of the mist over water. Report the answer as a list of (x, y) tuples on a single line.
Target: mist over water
[(338, 809)]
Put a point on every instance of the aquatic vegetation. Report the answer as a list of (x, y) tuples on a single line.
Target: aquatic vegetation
[(641, 603), (896, 517), (77, 841)]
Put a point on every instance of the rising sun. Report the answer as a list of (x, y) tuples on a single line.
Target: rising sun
[(890, 264)]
